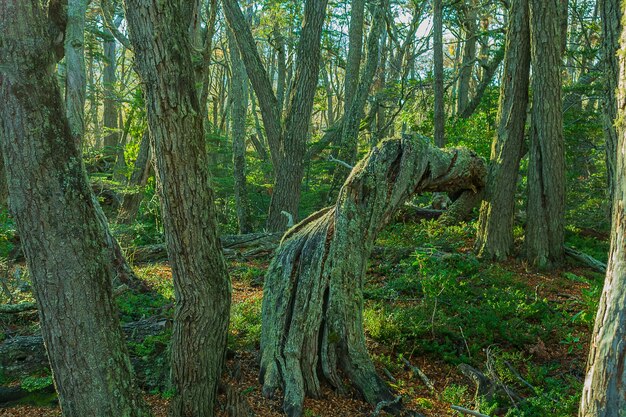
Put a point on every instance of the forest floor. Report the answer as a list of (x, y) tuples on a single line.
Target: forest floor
[(433, 308)]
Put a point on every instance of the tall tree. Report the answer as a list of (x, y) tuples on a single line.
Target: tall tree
[(355, 107), (76, 81), (287, 139), (611, 29), (469, 24), (110, 110), (603, 392), (160, 37), (239, 99), (546, 165), (495, 230), (62, 237), (439, 115)]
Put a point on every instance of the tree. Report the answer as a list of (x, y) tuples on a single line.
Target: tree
[(239, 100), (546, 164), (312, 325), (61, 234), (611, 29), (495, 230), (439, 115), (163, 56), (76, 81), (287, 139), (356, 96), (603, 392)]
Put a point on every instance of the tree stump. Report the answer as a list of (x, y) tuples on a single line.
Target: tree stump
[(313, 296)]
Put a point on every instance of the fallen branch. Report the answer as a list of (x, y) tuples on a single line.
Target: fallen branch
[(467, 411), (585, 259), (340, 162), (395, 403), (17, 308), (417, 371)]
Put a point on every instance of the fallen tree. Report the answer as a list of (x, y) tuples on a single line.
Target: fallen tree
[(313, 296), (21, 356)]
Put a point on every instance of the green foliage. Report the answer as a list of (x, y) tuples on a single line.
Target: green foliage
[(7, 232), (36, 383), (245, 324)]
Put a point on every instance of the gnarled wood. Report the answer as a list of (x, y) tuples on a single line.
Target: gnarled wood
[(313, 295)]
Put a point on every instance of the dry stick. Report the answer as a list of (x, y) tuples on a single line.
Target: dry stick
[(340, 162), (419, 373), (466, 411)]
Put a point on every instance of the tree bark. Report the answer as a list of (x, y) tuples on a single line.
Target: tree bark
[(546, 165), (63, 239), (439, 115), (611, 29), (313, 295), (239, 97), (603, 391), (495, 226), (159, 34)]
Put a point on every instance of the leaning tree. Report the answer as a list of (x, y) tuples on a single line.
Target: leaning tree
[(313, 297)]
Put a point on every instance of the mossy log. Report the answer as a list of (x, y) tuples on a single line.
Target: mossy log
[(312, 327)]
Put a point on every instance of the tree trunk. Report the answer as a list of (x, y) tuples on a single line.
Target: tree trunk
[(439, 115), (138, 180), (287, 141), (239, 97), (159, 34), (110, 112), (62, 237), (495, 226), (611, 30), (546, 165), (470, 27), (76, 82), (603, 392), (313, 295), (353, 114)]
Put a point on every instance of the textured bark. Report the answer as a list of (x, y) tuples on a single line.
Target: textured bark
[(287, 141), (546, 165), (603, 391), (239, 97), (313, 295), (159, 34), (611, 29), (63, 239), (439, 116), (495, 227), (138, 180), (76, 82)]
